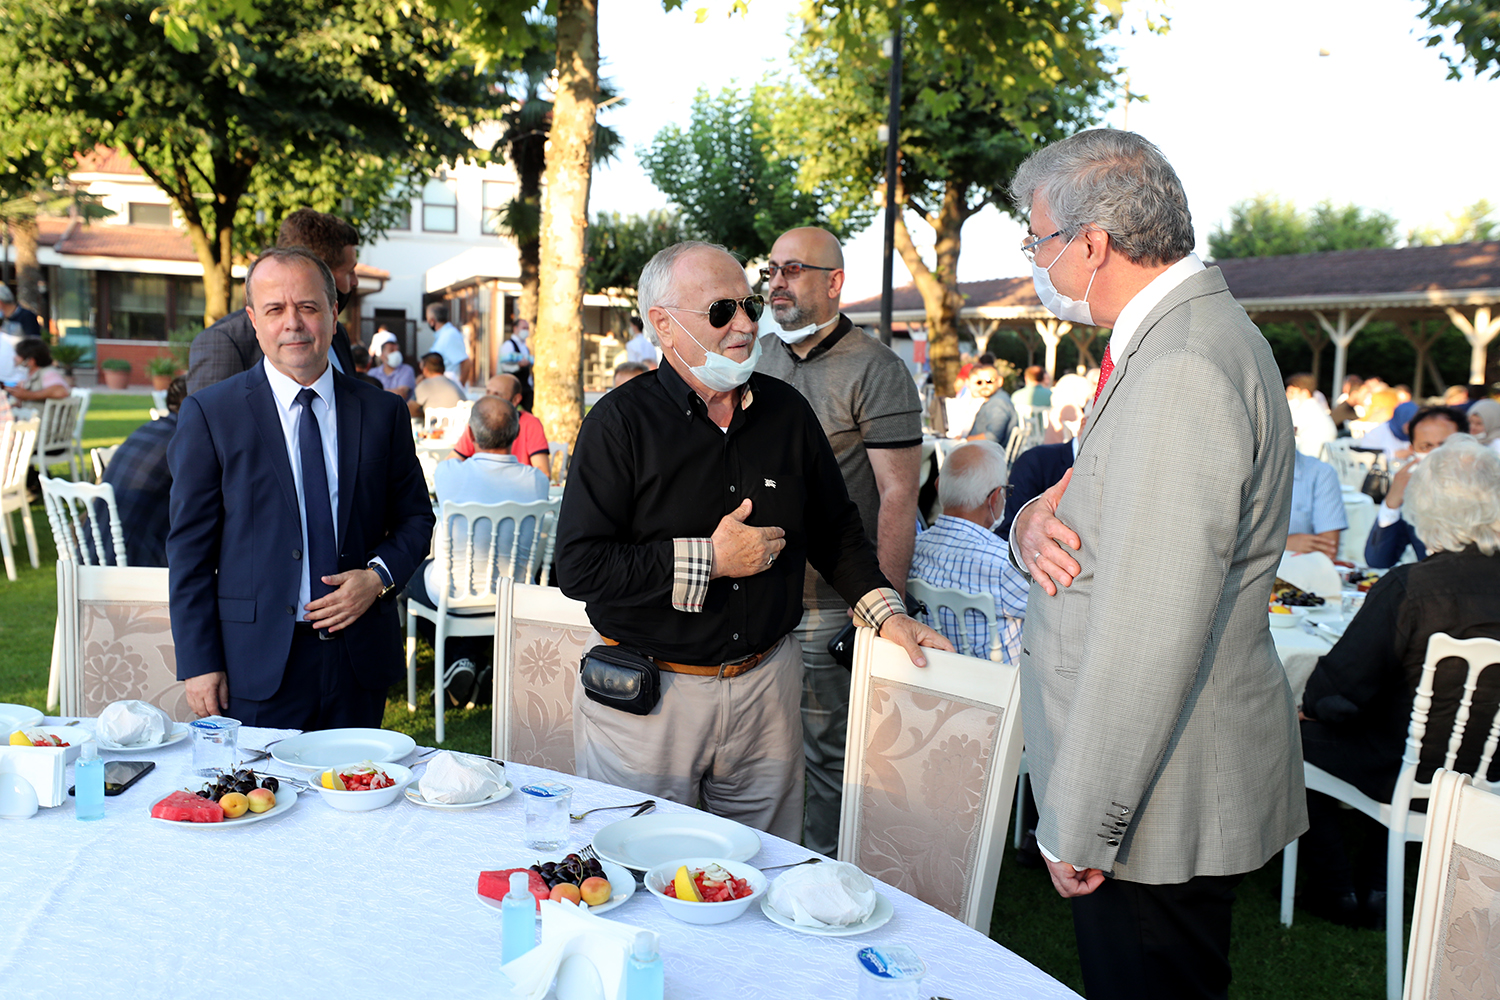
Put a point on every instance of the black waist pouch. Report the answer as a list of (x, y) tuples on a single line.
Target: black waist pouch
[(621, 679)]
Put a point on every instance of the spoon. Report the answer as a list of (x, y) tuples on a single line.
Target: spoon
[(578, 817), (794, 864)]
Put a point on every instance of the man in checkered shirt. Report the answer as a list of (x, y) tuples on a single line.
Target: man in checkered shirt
[(961, 552)]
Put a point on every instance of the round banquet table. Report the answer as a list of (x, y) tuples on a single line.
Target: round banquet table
[(320, 903)]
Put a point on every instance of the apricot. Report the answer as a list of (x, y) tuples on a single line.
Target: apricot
[(595, 891), (234, 805), (566, 891), (261, 799)]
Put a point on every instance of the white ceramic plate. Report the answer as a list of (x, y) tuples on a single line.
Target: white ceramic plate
[(179, 733), (13, 717), (332, 747), (286, 797), (414, 795), (622, 886), (883, 912), (74, 736), (643, 842)]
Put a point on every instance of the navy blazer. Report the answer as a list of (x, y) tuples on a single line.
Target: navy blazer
[(1035, 472), (234, 552), (1386, 545)]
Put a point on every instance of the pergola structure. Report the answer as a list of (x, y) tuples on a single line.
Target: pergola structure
[(1327, 296)]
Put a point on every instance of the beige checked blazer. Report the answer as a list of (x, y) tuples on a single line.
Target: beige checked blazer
[(1160, 728)]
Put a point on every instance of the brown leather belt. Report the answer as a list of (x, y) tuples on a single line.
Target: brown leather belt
[(723, 671)]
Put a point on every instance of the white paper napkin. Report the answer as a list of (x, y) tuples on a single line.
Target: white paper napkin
[(832, 894), (1311, 571), (133, 724), (43, 767), (569, 930), (454, 778)]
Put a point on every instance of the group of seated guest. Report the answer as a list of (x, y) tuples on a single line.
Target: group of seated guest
[(1357, 705), (530, 442), (1427, 428)]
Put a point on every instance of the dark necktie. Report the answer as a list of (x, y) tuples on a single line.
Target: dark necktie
[(1105, 367), (322, 549)]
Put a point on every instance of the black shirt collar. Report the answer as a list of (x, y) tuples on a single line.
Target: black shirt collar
[(685, 396)]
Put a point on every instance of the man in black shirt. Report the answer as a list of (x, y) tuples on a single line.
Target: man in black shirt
[(697, 495)]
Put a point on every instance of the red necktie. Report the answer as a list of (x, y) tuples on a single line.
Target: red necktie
[(1105, 367)]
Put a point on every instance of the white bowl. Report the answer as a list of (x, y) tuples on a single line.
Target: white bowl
[(75, 737), (706, 913), (1286, 621), (363, 801)]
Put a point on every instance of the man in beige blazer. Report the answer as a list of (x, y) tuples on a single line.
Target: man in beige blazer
[(1160, 728)]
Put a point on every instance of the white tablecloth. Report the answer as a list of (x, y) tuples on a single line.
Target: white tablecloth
[(321, 903), (1299, 649)]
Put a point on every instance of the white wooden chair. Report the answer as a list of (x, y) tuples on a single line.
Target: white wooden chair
[(1351, 464), (78, 528), (115, 639), (540, 635), (1019, 441), (17, 443), (1405, 825), (83, 411), (55, 441), (957, 625), (466, 604), (1458, 895), (930, 767), (100, 458)]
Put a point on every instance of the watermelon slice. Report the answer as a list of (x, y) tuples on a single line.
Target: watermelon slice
[(495, 885), (185, 807)]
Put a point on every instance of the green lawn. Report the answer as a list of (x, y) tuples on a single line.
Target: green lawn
[(1313, 959)]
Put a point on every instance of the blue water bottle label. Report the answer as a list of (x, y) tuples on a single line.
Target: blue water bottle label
[(892, 962)]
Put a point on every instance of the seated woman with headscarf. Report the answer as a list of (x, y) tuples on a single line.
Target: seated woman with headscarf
[(1356, 708), (1484, 423)]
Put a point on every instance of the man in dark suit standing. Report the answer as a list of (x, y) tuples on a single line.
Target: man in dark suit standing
[(297, 509), (1035, 471), (229, 346)]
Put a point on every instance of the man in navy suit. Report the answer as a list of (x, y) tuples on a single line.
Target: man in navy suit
[(297, 509), (1036, 470)]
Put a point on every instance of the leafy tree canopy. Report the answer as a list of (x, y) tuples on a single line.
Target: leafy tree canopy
[(1475, 224), (1266, 226), (620, 245), (1470, 26)]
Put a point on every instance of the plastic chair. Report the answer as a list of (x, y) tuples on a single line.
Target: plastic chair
[(1351, 464), (1406, 826), (17, 442), (1454, 886), (930, 766), (83, 411), (100, 458), (1019, 441), (56, 438), (959, 603), (466, 604), (540, 635)]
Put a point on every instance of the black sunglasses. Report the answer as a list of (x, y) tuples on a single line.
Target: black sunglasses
[(790, 271), (720, 312)]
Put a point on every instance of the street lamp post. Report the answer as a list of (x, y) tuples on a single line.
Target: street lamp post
[(892, 165)]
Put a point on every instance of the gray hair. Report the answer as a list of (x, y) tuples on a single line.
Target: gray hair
[(1115, 181), (1453, 499), (656, 284), (494, 423), (286, 255), (971, 473)]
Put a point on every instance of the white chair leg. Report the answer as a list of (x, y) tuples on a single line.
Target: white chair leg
[(438, 693), (54, 673), (36, 562), (1395, 889), (411, 661), (1288, 881), (5, 548)]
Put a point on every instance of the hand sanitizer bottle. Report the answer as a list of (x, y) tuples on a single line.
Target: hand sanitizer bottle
[(645, 978), (88, 783), (517, 918)]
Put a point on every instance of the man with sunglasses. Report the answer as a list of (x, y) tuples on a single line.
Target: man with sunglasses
[(697, 494), (868, 406), (997, 417)]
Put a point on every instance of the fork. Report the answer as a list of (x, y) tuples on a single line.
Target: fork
[(793, 864), (578, 817)]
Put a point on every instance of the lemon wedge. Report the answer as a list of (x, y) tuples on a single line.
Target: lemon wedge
[(332, 780), (19, 739), (687, 889)]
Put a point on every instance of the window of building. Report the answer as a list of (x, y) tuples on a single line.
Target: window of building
[(440, 206), (142, 214), (497, 194), (138, 306)]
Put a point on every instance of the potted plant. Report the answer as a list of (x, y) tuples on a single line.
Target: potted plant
[(116, 372), (66, 357), (162, 371)]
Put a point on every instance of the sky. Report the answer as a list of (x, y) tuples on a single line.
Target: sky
[(1240, 101)]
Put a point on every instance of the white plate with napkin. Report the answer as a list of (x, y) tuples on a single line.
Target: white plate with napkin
[(132, 726), (459, 781), (833, 899)]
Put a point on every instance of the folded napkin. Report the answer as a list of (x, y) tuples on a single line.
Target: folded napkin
[(42, 767), (571, 936), (832, 894), (1311, 571), (133, 724), (455, 778)]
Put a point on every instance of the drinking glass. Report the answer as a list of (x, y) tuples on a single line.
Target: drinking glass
[(215, 740), (547, 804)]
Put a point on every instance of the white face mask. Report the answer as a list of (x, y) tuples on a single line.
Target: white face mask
[(717, 372), (393, 359), (1055, 302), (799, 335)]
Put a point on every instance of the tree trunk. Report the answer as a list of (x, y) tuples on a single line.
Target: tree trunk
[(28, 271), (1316, 339), (939, 285), (531, 252), (565, 201), (216, 271)]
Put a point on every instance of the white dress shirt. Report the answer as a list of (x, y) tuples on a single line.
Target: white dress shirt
[(284, 390)]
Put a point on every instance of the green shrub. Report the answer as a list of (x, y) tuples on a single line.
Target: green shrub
[(115, 365), (161, 366)]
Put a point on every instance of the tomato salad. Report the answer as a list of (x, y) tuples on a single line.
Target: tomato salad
[(715, 885)]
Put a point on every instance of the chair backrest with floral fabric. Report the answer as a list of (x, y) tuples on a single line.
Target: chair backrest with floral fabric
[(540, 635), (1455, 927), (930, 769), (117, 640)]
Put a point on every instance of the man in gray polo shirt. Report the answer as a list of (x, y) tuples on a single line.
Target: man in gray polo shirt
[(868, 405)]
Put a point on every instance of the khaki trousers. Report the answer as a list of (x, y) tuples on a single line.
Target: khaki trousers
[(734, 745)]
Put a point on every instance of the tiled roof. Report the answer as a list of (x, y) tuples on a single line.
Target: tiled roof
[(146, 242), (1011, 292), (50, 229), (103, 160)]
